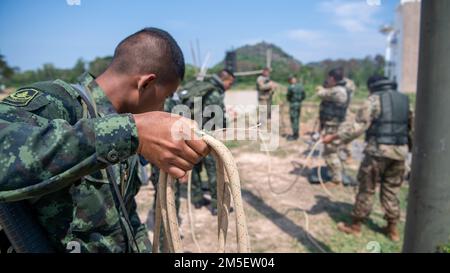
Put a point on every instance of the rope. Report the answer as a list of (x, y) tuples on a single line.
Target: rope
[(190, 214), (228, 185)]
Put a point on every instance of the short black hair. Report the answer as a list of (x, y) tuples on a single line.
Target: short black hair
[(337, 74), (150, 50), (224, 73)]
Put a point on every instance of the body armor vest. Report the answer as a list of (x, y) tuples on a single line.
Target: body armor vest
[(330, 110), (391, 127)]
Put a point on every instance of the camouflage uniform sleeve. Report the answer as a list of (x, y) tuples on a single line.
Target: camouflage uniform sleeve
[(35, 148), (370, 111), (262, 85), (336, 94)]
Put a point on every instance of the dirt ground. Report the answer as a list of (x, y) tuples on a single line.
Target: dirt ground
[(301, 219)]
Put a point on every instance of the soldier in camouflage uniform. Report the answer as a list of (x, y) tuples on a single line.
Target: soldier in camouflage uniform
[(333, 111), (211, 93), (265, 88), (71, 151), (387, 122), (295, 96)]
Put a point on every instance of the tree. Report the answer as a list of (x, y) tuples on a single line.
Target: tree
[(6, 72)]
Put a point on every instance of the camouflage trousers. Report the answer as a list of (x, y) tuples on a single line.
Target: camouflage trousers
[(265, 99), (389, 174), (196, 190), (331, 154), (294, 113)]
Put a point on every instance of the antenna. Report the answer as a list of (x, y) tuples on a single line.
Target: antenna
[(199, 54), (204, 68), (194, 58)]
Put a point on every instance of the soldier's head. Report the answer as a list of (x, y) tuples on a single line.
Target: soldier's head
[(151, 64), (379, 83), (335, 76), (227, 78), (266, 72), (292, 79)]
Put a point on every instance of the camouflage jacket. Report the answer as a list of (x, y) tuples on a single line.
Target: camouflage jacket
[(337, 94), (295, 93), (262, 84), (369, 112), (211, 92), (46, 136)]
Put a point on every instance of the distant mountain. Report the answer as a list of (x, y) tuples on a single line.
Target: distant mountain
[(253, 57)]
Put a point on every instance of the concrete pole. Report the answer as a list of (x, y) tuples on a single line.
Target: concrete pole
[(428, 219)]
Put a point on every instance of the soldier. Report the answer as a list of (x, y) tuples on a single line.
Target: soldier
[(295, 96), (265, 88), (211, 93), (333, 111), (87, 137), (387, 122)]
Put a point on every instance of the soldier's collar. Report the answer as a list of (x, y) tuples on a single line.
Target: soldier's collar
[(104, 105)]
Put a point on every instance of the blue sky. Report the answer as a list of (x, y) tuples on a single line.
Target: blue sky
[(34, 32)]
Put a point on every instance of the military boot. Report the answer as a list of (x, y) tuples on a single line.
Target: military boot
[(391, 232), (293, 137), (354, 228)]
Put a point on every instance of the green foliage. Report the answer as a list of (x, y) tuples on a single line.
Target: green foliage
[(191, 72), (249, 58), (444, 248), (99, 65), (6, 72), (47, 72), (253, 57)]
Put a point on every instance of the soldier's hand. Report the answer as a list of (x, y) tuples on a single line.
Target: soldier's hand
[(168, 141), (273, 85), (327, 139)]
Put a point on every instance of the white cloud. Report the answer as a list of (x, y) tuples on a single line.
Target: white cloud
[(353, 16)]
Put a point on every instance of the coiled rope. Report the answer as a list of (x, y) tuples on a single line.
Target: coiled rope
[(228, 186)]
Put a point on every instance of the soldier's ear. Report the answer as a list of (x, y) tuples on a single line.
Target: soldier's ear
[(145, 81)]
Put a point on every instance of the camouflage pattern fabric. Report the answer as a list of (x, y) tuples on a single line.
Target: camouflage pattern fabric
[(210, 167), (265, 93), (331, 154), (334, 163), (213, 94), (295, 96), (382, 164), (388, 173), (45, 135)]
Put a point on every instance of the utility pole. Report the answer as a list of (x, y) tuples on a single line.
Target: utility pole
[(428, 219)]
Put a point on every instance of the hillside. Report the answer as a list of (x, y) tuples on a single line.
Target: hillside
[(253, 57)]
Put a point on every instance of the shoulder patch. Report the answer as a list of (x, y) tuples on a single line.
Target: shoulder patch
[(21, 97)]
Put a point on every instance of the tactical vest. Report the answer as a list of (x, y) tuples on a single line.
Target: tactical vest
[(391, 127), (331, 110)]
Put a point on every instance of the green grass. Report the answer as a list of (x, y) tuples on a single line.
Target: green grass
[(371, 231)]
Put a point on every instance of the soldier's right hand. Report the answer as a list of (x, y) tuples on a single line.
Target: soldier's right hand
[(161, 144)]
